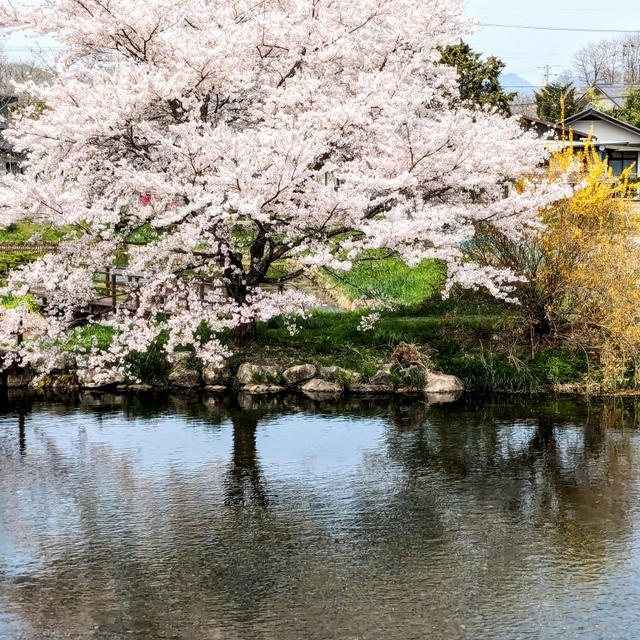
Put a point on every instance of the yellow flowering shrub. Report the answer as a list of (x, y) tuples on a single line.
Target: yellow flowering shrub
[(581, 269)]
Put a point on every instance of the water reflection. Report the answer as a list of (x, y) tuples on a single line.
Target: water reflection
[(200, 518), (567, 468), (244, 483)]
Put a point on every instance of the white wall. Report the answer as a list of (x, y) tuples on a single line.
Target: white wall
[(605, 132)]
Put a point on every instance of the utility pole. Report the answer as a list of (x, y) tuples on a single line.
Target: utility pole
[(547, 72)]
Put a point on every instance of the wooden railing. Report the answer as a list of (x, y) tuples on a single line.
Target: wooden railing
[(9, 247), (114, 288)]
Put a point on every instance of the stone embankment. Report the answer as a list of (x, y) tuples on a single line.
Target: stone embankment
[(320, 383), (317, 383)]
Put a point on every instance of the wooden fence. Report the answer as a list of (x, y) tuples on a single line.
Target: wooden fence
[(10, 247), (114, 288)]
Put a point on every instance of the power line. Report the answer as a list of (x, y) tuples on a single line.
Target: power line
[(528, 26), (29, 49)]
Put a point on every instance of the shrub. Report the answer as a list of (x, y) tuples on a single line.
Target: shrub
[(150, 366), (580, 269)]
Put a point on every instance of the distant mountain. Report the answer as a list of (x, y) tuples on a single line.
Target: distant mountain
[(511, 82)]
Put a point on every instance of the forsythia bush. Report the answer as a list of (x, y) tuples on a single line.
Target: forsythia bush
[(580, 269)]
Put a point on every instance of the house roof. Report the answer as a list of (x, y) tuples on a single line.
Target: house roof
[(591, 113), (541, 124), (615, 92)]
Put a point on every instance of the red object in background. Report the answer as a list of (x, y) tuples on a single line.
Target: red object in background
[(145, 199)]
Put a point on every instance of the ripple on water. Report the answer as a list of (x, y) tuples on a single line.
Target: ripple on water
[(479, 520)]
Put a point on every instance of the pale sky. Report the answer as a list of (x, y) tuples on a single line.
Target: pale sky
[(523, 50)]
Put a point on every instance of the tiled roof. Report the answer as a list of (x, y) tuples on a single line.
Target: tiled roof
[(616, 92), (539, 122)]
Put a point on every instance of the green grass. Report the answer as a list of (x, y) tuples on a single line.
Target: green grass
[(469, 335), (150, 366), (84, 337), (391, 279), (11, 302), (24, 231), (333, 338)]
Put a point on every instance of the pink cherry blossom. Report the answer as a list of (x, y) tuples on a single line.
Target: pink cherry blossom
[(275, 137)]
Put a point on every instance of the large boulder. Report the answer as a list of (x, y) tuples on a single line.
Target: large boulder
[(441, 387), (379, 384), (382, 377), (178, 357), (249, 373), (262, 389), (299, 373), (181, 376), (345, 377), (319, 389), (88, 379), (442, 383), (63, 362), (215, 388), (213, 375)]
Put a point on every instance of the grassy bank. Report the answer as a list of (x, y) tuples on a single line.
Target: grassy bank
[(391, 280), (475, 338), (471, 336)]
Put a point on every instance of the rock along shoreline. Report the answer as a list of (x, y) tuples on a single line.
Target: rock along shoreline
[(316, 383)]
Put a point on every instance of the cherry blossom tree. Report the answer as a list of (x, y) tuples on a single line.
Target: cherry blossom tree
[(251, 141)]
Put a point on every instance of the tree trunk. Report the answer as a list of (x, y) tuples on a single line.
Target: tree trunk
[(244, 332), (237, 289)]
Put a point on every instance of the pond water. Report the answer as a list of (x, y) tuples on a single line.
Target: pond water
[(203, 519)]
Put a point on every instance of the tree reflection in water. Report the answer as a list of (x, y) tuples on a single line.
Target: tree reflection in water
[(567, 466), (244, 482), (446, 518)]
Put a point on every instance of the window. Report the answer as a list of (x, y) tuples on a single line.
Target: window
[(621, 160)]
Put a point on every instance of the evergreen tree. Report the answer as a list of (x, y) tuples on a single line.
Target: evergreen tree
[(478, 79), (556, 101)]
